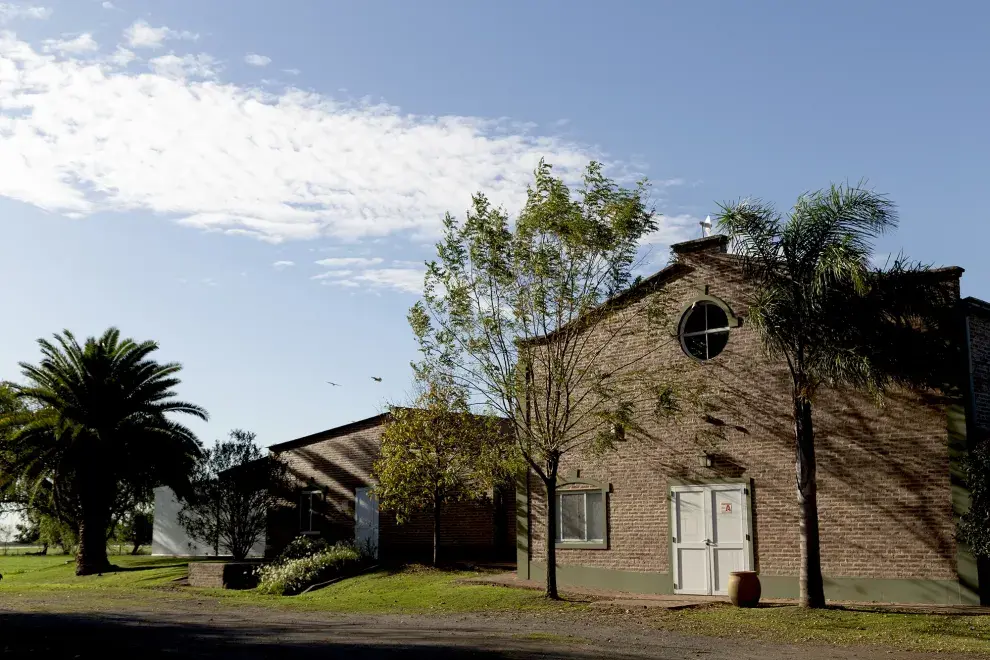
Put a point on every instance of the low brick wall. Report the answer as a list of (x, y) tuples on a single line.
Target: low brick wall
[(223, 575)]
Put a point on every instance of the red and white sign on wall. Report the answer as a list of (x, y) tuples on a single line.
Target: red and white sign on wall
[(725, 507)]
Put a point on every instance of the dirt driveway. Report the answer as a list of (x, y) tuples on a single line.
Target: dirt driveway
[(54, 627)]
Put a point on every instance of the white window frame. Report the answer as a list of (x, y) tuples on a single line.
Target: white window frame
[(307, 528), (586, 543)]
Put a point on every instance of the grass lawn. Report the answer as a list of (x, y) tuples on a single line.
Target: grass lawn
[(916, 631), (410, 590), (149, 582)]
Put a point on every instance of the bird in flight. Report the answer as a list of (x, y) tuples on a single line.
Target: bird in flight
[(377, 379), (330, 382)]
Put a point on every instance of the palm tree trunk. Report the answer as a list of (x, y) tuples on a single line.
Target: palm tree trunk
[(91, 556), (812, 590), (551, 537)]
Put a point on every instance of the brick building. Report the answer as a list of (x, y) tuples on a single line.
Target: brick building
[(677, 510), (332, 473)]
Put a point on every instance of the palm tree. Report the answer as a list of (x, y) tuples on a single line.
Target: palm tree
[(97, 433), (835, 319)]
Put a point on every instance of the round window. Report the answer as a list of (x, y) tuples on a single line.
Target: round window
[(704, 330)]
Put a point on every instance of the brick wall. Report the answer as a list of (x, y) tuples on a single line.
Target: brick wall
[(884, 494), (979, 336), (344, 463)]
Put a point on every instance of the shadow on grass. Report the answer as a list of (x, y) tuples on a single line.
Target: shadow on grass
[(134, 569), (920, 610), (41, 635)]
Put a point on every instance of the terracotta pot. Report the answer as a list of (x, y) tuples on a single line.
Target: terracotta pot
[(744, 588)]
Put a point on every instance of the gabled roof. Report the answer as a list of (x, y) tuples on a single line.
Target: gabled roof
[(335, 432), (329, 434), (716, 245), (977, 306), (635, 292)]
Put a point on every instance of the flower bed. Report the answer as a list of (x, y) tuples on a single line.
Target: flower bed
[(286, 577)]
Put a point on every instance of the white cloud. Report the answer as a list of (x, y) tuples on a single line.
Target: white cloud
[(10, 12), (282, 265), (332, 274), (355, 272), (674, 229), (361, 262), (122, 57), (292, 72), (84, 43), (351, 284), (406, 280), (108, 5), (174, 66), (142, 35), (86, 136), (257, 60)]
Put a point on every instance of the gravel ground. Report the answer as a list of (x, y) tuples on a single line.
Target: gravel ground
[(58, 626)]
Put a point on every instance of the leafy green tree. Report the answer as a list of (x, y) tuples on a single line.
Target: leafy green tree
[(975, 524), (438, 453), (46, 531), (835, 319), (234, 487), (137, 528), (97, 436), (27, 531), (53, 532), (516, 314)]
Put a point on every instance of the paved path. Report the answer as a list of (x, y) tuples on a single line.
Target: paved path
[(55, 628)]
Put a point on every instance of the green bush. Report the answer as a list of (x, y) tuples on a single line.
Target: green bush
[(303, 546), (283, 578)]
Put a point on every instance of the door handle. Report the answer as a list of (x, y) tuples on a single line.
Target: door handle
[(708, 542)]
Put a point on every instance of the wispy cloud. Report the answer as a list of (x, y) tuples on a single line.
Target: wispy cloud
[(185, 66), (121, 57), (674, 229), (333, 274), (343, 262), (142, 35), (282, 265), (84, 43), (257, 60), (10, 11), (292, 72), (108, 5), (363, 272), (406, 280), (87, 135)]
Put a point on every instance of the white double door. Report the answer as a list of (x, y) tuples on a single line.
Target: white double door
[(366, 520), (711, 533)]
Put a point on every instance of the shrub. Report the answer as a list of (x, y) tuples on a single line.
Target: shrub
[(303, 546), (290, 576)]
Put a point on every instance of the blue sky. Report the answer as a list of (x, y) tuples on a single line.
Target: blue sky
[(159, 160)]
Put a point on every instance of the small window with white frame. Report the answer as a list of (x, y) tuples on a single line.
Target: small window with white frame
[(307, 498), (581, 518)]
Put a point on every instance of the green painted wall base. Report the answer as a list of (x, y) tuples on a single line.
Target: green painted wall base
[(933, 592), (938, 592), (603, 578)]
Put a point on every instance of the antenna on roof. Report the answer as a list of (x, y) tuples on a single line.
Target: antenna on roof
[(706, 226)]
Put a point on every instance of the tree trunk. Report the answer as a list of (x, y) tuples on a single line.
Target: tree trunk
[(134, 550), (812, 590), (436, 529), (551, 537), (91, 555)]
